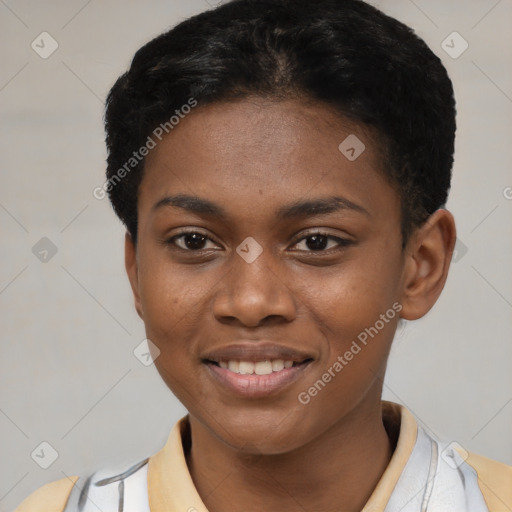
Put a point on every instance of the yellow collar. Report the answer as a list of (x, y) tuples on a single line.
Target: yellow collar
[(170, 486)]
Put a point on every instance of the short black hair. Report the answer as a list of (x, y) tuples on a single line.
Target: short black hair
[(368, 66)]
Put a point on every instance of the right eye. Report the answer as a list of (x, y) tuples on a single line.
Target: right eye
[(190, 241)]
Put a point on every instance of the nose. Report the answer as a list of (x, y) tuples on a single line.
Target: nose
[(253, 294)]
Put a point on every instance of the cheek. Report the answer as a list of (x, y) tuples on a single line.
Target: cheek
[(350, 297), (356, 309), (358, 340), (172, 295), (175, 309)]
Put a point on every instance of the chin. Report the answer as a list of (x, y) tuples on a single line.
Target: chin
[(262, 433)]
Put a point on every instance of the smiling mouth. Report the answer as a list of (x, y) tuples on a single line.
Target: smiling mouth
[(256, 370), (256, 379), (263, 367)]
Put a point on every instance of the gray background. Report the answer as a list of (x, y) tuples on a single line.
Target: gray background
[(68, 373)]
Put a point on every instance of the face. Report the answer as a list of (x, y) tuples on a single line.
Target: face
[(263, 249)]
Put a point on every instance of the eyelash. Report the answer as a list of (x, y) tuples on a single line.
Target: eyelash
[(342, 242)]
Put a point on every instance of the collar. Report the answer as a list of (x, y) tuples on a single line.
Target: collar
[(170, 485)]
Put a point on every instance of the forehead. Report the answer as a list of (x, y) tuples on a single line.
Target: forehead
[(261, 153)]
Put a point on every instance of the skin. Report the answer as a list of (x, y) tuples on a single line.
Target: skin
[(252, 157)]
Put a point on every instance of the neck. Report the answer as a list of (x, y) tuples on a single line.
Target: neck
[(336, 471)]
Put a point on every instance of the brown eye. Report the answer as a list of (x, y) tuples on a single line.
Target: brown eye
[(190, 241), (321, 242)]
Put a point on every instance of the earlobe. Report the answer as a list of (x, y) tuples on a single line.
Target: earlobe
[(130, 260), (428, 257)]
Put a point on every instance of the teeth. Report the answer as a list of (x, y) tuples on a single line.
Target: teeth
[(234, 366), (265, 367), (277, 365), (246, 367)]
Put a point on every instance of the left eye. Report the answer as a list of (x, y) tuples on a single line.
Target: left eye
[(319, 242)]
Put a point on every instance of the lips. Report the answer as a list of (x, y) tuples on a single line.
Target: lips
[(256, 369), (252, 351)]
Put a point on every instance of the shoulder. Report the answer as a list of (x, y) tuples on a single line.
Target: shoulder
[(51, 497), (494, 480), (105, 489)]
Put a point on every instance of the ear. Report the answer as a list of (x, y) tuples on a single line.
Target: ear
[(427, 261), (130, 262)]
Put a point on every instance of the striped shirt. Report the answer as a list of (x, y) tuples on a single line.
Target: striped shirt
[(423, 475)]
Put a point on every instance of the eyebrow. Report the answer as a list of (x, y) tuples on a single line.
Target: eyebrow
[(297, 209)]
